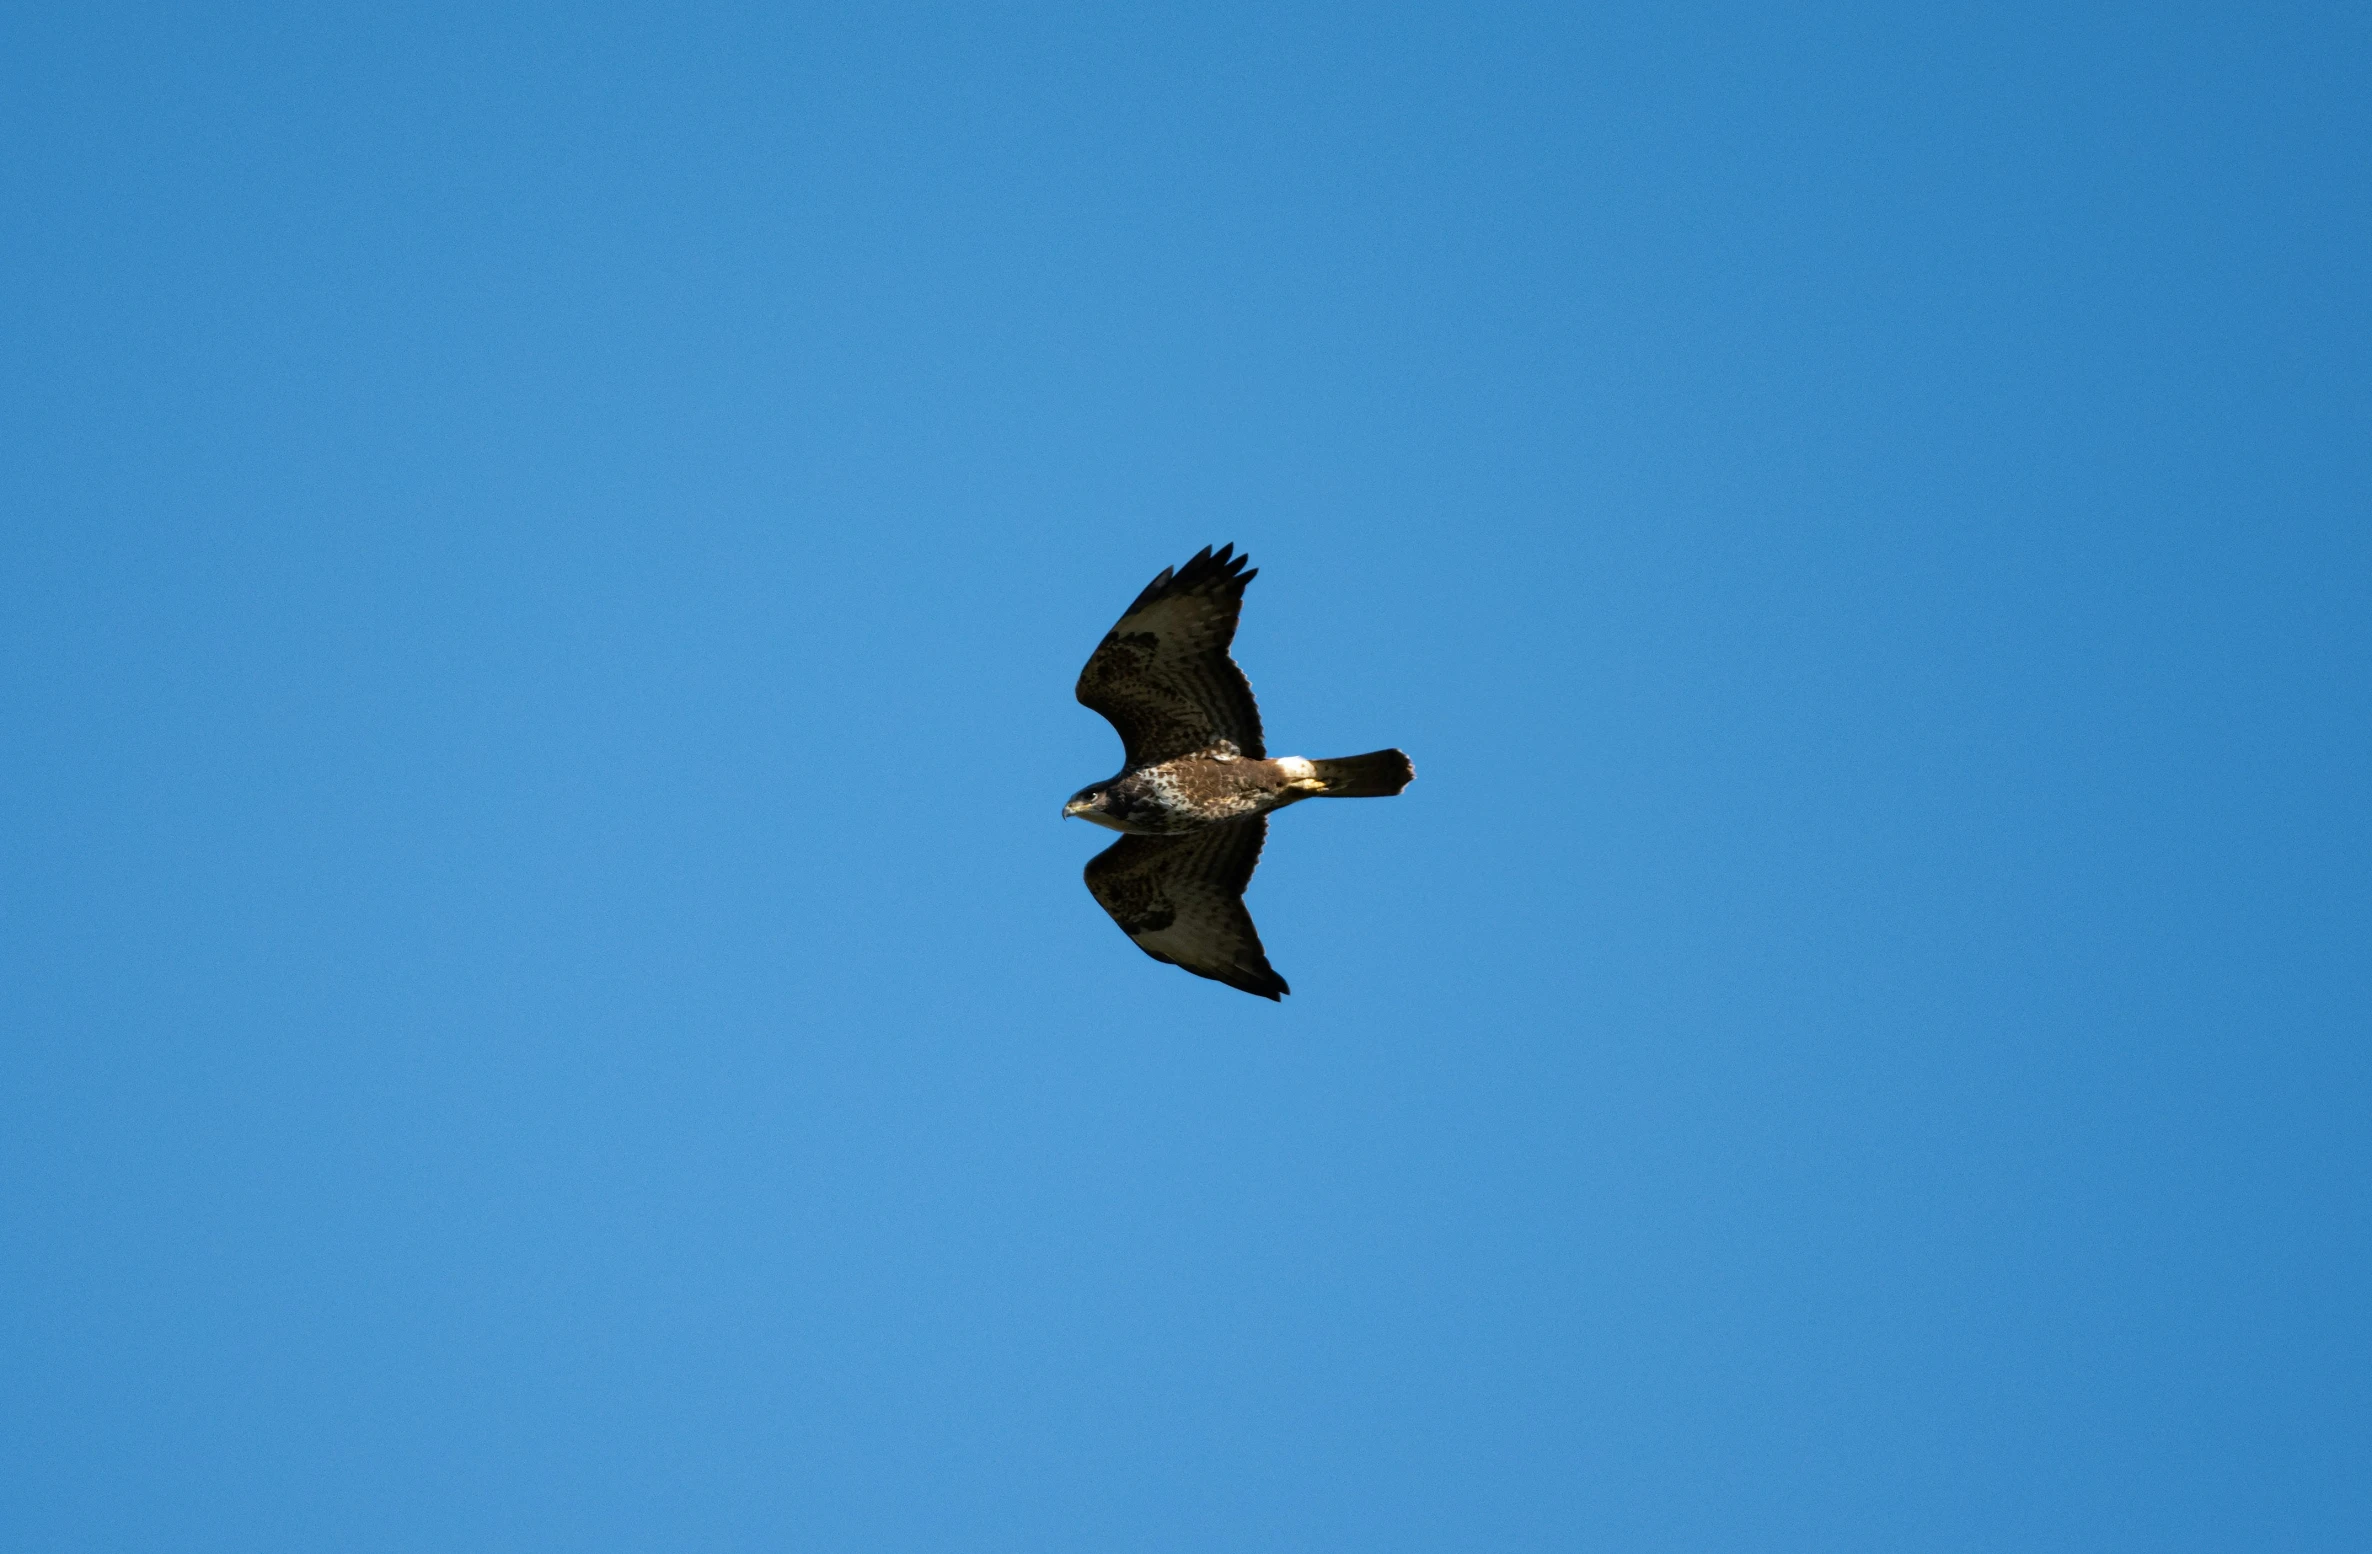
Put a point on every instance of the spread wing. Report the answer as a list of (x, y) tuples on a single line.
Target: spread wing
[(1181, 898), (1163, 677)]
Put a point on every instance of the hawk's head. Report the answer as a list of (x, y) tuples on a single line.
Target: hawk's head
[(1099, 805)]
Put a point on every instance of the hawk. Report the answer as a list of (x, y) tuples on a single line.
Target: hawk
[(1196, 783)]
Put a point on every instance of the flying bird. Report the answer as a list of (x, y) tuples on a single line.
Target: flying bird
[(1196, 784)]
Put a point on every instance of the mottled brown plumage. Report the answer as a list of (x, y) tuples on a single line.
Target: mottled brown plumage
[(1196, 783)]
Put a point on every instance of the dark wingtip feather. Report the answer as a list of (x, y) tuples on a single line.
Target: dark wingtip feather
[(1207, 571), (1259, 981)]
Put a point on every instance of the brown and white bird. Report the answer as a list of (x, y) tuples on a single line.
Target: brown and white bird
[(1196, 784)]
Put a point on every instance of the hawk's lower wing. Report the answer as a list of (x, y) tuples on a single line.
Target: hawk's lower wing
[(1181, 898)]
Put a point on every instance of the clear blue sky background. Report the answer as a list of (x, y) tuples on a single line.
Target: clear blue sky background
[(547, 1003)]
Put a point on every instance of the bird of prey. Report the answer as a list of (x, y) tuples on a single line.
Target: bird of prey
[(1196, 784)]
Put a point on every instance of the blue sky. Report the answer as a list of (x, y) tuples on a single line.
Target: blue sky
[(549, 1007)]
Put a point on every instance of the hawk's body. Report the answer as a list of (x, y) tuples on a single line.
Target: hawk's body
[(1196, 783), (1171, 798)]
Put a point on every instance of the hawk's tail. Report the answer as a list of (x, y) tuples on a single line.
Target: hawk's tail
[(1376, 775)]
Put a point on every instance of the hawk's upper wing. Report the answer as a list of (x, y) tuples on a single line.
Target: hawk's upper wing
[(1181, 898), (1163, 677)]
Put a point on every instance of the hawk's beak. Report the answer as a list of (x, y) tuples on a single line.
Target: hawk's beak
[(1072, 808)]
